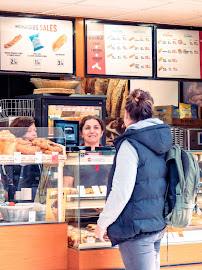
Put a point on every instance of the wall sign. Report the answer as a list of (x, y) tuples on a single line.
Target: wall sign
[(36, 45), (115, 49), (179, 53)]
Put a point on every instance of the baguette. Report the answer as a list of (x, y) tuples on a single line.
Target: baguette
[(58, 43), (112, 84), (117, 96), (123, 104), (12, 42)]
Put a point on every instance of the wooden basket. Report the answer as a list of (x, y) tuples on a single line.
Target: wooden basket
[(45, 83), (54, 91)]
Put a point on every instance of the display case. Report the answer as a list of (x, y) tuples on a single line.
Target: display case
[(85, 199), (32, 174), (87, 174)]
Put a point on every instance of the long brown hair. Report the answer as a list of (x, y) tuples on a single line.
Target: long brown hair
[(139, 105)]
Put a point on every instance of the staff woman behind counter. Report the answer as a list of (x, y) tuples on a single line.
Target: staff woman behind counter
[(22, 176), (91, 129)]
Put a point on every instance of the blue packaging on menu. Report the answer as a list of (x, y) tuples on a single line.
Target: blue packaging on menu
[(36, 42)]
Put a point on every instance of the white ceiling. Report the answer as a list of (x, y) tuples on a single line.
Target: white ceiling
[(173, 12)]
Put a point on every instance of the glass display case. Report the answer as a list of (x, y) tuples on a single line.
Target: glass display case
[(86, 174), (31, 168)]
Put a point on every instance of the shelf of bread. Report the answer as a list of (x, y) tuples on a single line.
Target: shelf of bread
[(84, 238), (85, 203), (18, 150)]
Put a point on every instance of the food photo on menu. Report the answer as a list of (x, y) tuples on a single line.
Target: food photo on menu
[(30, 44)]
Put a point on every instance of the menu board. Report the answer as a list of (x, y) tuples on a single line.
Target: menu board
[(179, 53), (36, 45), (115, 49)]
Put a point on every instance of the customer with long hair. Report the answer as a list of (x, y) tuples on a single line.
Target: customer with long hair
[(133, 214)]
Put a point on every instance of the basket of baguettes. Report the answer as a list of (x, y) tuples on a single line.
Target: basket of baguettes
[(9, 144)]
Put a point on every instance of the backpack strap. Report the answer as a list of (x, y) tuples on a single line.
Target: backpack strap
[(178, 199), (175, 154)]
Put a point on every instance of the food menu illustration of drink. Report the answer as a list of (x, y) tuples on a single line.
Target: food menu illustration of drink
[(119, 49), (36, 45), (179, 53)]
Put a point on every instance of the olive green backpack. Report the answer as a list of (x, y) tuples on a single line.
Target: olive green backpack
[(183, 181)]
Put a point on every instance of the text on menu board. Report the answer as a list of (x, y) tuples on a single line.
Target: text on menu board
[(124, 50), (179, 53)]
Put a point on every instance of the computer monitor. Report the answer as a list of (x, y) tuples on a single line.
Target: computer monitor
[(71, 131)]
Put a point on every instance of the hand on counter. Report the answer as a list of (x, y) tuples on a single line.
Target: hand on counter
[(99, 233)]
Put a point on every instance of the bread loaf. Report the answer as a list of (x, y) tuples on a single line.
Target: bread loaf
[(116, 98), (101, 86), (58, 43), (112, 84), (12, 42), (123, 104)]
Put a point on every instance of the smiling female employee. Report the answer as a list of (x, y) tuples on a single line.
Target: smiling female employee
[(91, 130)]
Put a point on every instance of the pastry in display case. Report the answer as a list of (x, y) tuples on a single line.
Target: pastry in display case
[(31, 166), (87, 172)]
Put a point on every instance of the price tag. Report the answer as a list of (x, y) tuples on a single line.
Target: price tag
[(81, 190), (55, 157), (17, 157), (96, 190), (103, 190), (38, 157), (32, 216)]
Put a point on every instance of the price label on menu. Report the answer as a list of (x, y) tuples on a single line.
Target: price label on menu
[(17, 157), (96, 190), (179, 53), (115, 49), (38, 157)]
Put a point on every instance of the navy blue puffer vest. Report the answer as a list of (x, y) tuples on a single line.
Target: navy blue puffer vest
[(143, 214)]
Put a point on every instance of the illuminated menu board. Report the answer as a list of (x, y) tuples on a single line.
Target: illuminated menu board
[(115, 49), (36, 45), (179, 53)]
